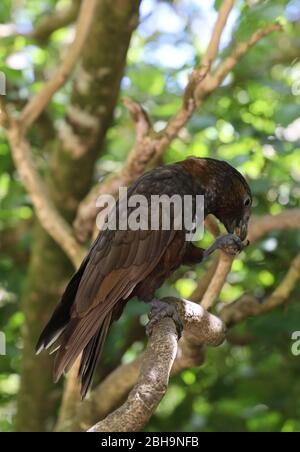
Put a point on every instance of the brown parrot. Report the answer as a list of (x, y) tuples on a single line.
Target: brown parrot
[(123, 264)]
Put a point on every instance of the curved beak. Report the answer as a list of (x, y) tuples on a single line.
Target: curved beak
[(242, 230)]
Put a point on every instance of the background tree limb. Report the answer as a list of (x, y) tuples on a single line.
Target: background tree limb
[(58, 19), (45, 209)]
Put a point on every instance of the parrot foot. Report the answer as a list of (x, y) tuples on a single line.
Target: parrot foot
[(231, 244), (159, 310)]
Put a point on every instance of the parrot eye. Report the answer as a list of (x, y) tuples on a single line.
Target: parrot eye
[(247, 202)]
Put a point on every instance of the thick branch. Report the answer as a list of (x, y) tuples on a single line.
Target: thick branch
[(157, 363), (38, 103), (151, 385)]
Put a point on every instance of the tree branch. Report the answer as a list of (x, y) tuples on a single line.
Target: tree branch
[(45, 210), (228, 64), (218, 280), (205, 280), (38, 103), (59, 19), (157, 363)]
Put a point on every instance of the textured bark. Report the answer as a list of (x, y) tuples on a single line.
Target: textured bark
[(94, 96)]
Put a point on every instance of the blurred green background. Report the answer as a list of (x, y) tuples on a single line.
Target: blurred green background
[(253, 122)]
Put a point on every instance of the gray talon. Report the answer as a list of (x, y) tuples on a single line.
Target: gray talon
[(159, 310), (231, 244)]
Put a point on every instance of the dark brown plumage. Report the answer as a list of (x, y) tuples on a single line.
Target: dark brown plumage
[(123, 264)]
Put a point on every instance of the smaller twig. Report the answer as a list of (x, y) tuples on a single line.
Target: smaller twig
[(248, 305), (55, 21), (139, 116), (224, 68), (218, 281), (201, 72), (214, 44), (204, 281)]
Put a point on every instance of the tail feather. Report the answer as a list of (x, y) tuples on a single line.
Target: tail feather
[(74, 339), (72, 335), (92, 354), (61, 316)]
